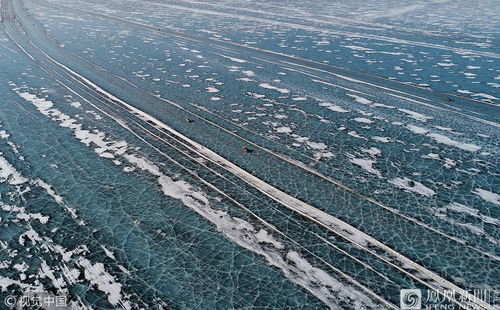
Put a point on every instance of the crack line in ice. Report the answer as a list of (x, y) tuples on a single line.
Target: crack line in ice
[(326, 288), (284, 199)]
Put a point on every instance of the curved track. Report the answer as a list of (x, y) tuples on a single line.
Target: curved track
[(112, 95)]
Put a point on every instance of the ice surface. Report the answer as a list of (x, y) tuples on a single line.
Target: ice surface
[(248, 155)]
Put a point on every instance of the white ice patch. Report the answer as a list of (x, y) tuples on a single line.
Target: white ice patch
[(363, 120), (212, 90), (269, 86), (104, 148), (416, 115), (412, 186), (445, 64), (356, 48), (372, 151), (381, 139), (234, 59), (244, 234), (21, 267), (431, 156), (108, 253), (486, 195), (360, 99), (235, 229), (23, 215), (366, 164), (245, 79), (460, 208), (284, 129), (487, 96), (381, 105), (6, 282), (319, 155), (445, 212), (443, 128), (416, 129), (449, 163), (76, 104), (354, 134), (9, 173), (316, 145), (312, 275), (439, 138), (264, 237), (248, 73), (495, 85), (97, 275), (52, 193), (333, 107), (96, 116), (4, 134)]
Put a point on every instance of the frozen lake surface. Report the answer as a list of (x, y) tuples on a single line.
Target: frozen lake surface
[(250, 154)]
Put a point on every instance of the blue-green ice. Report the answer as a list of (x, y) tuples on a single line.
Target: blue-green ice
[(185, 154)]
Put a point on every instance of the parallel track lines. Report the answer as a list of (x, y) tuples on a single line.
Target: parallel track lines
[(321, 218)]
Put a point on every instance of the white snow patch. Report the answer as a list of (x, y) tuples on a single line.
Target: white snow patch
[(97, 275), (212, 90), (354, 134), (487, 96), (108, 253), (413, 186), (486, 195), (4, 134), (9, 173), (445, 64), (366, 164), (460, 208), (356, 48), (381, 139), (248, 73), (416, 115), (416, 129), (316, 145), (264, 237), (269, 86), (360, 99), (238, 60), (363, 120), (333, 107), (372, 151), (439, 138), (283, 129)]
